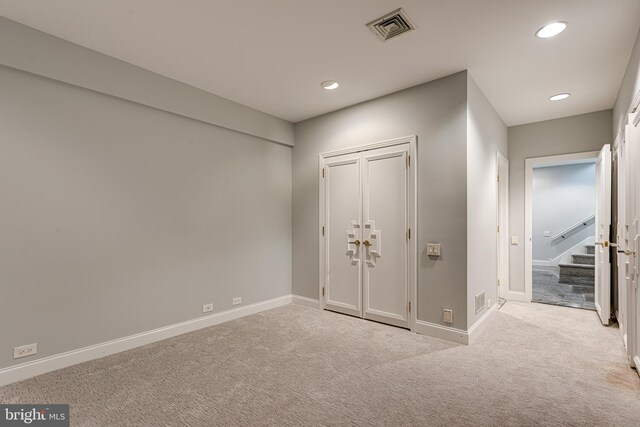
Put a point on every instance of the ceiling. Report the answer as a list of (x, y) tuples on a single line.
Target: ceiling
[(273, 55)]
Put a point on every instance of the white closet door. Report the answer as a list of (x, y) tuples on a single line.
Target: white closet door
[(603, 226), (385, 227), (343, 213)]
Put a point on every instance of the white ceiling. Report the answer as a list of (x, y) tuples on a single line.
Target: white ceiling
[(272, 55)]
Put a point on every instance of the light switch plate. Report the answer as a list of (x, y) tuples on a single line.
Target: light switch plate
[(515, 240), (547, 234), (433, 249), (448, 316)]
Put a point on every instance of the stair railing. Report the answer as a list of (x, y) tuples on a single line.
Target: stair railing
[(579, 226)]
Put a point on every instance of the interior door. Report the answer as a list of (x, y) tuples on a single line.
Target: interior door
[(632, 136), (603, 227), (343, 217), (502, 192), (366, 234), (385, 220), (622, 239)]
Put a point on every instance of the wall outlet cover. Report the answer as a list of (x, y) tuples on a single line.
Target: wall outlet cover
[(207, 308), (237, 300), (448, 315), (25, 350)]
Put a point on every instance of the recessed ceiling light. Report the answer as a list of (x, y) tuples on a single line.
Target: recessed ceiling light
[(559, 97), (551, 30), (329, 85)]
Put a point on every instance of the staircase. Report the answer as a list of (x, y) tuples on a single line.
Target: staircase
[(581, 271)]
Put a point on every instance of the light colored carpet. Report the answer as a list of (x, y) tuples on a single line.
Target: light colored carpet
[(293, 366)]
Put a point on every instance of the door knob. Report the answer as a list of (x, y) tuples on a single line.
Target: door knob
[(357, 243), (627, 252), (604, 244), (366, 243)]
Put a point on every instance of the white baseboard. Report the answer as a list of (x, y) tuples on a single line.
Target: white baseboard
[(58, 361), (443, 332), (307, 302), (476, 330), (517, 296), (541, 263)]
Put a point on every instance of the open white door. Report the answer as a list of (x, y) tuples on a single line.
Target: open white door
[(622, 232), (632, 137), (603, 229)]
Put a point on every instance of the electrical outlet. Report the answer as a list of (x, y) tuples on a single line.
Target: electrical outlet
[(207, 308), (25, 350), (237, 300), (448, 316)]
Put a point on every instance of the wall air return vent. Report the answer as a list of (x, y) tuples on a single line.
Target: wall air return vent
[(480, 302), (391, 25)]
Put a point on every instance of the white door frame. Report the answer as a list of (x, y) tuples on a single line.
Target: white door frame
[(530, 164), (412, 213), (502, 217)]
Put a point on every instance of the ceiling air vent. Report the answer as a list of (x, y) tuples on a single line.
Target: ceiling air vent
[(391, 25)]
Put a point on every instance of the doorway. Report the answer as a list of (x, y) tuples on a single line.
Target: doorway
[(567, 216), (368, 232)]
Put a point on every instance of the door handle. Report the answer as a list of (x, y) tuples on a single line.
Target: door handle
[(357, 243), (604, 244), (626, 252), (366, 243)]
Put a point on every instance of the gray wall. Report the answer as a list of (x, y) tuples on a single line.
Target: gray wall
[(120, 218), (629, 88), (27, 49), (486, 135), (436, 113), (575, 134), (562, 196)]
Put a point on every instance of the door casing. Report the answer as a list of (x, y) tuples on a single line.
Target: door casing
[(530, 164), (412, 273)]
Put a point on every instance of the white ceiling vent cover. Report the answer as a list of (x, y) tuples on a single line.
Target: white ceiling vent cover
[(391, 25)]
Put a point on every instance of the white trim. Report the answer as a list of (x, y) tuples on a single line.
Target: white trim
[(517, 296), (530, 164), (503, 247), (412, 140), (443, 332), (373, 146), (476, 330), (307, 302), (454, 334), (62, 360)]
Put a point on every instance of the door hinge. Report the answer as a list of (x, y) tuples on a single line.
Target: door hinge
[(409, 234), (323, 291), (498, 228), (323, 172), (323, 230), (498, 178), (408, 160), (498, 282), (409, 307)]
